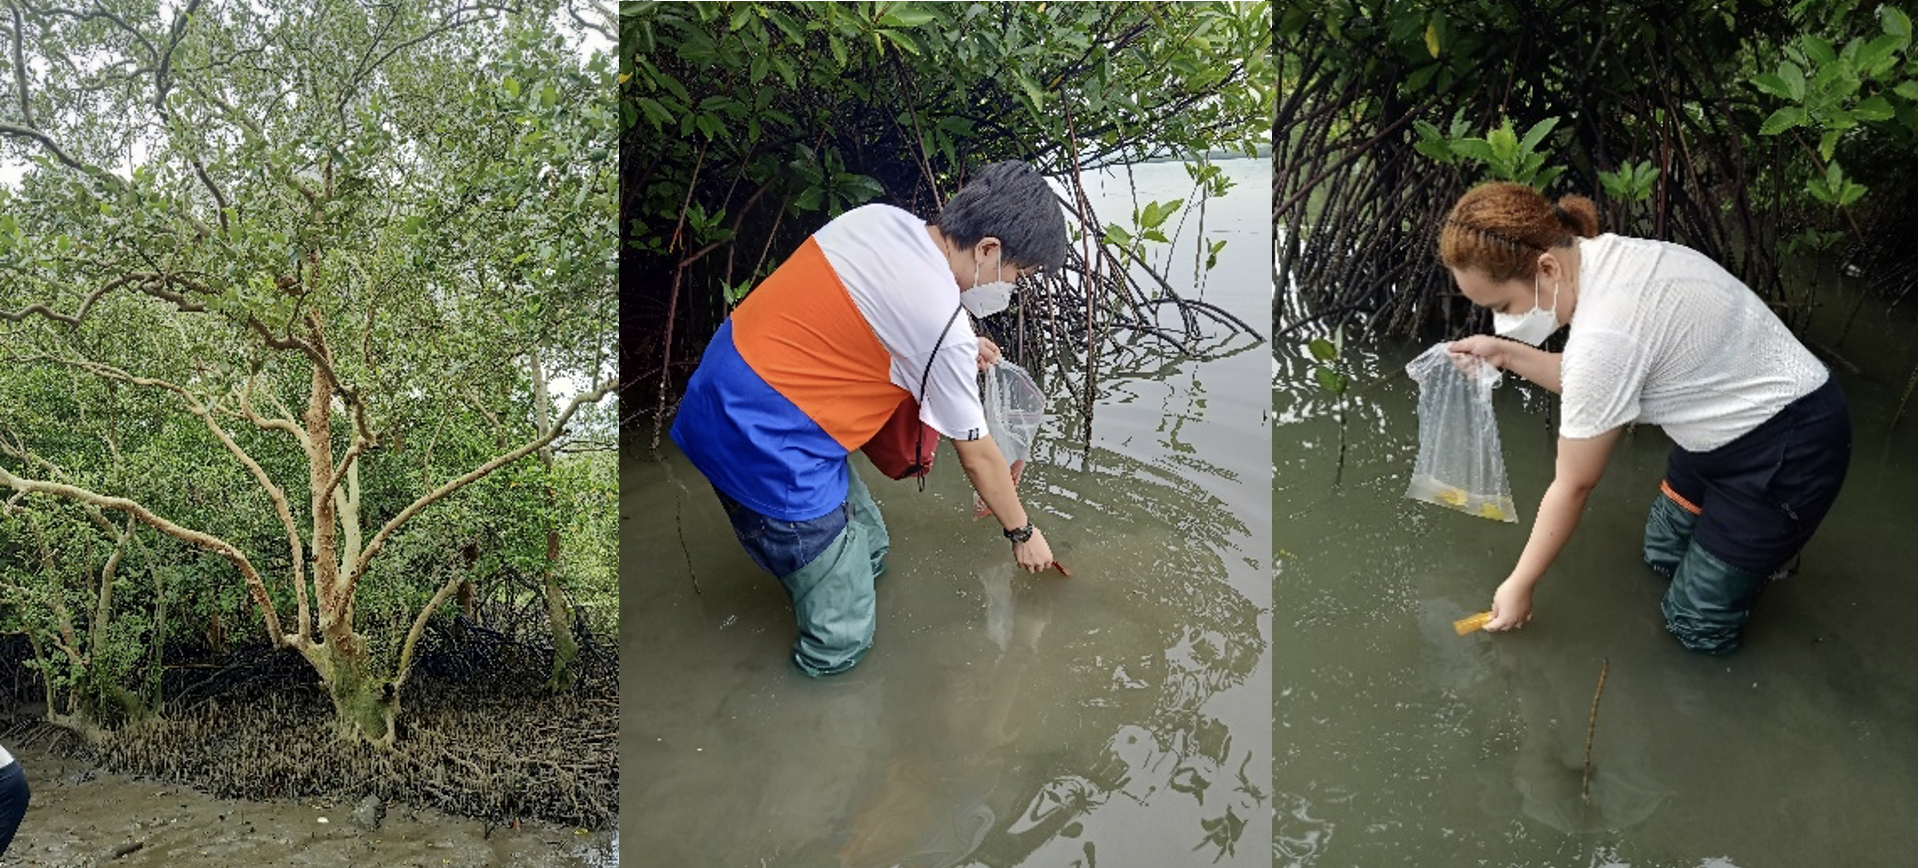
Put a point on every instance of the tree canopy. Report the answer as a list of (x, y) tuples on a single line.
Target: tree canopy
[(285, 283)]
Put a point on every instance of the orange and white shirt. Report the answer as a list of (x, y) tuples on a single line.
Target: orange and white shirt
[(816, 358)]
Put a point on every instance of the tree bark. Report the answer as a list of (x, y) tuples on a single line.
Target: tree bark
[(559, 615)]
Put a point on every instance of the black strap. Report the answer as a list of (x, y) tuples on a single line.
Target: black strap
[(919, 437)]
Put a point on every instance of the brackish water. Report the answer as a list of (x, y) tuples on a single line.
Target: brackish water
[(1400, 743), (1119, 717)]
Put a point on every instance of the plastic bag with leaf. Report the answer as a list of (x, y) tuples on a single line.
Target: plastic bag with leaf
[(1015, 408), (1460, 464)]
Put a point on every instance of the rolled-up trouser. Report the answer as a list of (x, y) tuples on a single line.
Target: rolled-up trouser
[(1724, 520), (13, 802), (827, 565)]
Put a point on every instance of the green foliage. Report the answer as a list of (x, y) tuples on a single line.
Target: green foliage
[(1871, 82), (1630, 182), (1834, 188), (1501, 153), (1148, 223), (1327, 354), (393, 207), (780, 116)]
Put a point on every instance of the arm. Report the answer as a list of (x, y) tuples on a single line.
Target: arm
[(986, 467), (1580, 464), (1524, 360)]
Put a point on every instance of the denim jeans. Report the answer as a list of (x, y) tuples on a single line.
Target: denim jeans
[(827, 566)]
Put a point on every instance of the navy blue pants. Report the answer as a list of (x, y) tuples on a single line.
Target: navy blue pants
[(1725, 520), (13, 802)]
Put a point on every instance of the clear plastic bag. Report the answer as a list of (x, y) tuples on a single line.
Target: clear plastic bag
[(1460, 464), (1015, 408)]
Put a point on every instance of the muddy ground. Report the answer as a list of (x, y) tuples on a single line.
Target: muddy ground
[(81, 817), (243, 768)]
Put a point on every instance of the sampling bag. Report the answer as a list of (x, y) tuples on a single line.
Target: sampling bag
[(1015, 408), (1460, 464)]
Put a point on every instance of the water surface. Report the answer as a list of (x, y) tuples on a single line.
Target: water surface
[(1400, 743), (1120, 717)]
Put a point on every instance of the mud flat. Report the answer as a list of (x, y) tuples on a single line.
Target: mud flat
[(83, 817), (484, 774)]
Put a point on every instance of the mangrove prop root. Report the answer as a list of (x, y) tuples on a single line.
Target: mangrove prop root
[(1592, 727)]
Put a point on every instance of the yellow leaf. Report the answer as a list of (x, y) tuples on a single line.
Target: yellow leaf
[(624, 76), (1431, 39)]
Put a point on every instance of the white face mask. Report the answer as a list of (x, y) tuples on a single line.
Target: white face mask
[(986, 299), (1532, 327)]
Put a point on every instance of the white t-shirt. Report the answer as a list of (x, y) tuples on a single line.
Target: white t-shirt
[(1665, 336), (6, 759), (901, 284)]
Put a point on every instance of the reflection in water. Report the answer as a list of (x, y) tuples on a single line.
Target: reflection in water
[(1120, 717), (931, 805), (1396, 736)]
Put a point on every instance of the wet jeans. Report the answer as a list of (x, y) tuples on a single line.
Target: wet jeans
[(13, 802), (827, 566)]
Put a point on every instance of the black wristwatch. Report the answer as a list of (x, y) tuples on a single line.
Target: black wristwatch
[(1019, 535)]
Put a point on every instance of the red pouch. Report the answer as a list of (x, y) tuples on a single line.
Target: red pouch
[(892, 448), (903, 447)]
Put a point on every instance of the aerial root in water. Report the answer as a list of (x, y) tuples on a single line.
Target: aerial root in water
[(1592, 727)]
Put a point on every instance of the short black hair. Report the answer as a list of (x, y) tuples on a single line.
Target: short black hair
[(1009, 201)]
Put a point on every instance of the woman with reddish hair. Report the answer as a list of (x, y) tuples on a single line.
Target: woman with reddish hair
[(1661, 335)]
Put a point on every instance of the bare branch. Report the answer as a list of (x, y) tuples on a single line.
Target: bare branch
[(41, 309), (102, 12), (155, 284), (419, 627), (208, 414), (103, 611), (255, 585), (346, 461), (602, 26), (219, 199), (235, 116), (281, 507), (17, 450), (110, 372), (20, 68), (282, 424), (59, 153), (480, 472), (160, 75), (453, 20)]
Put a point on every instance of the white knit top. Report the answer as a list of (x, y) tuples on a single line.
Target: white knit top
[(1665, 336)]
